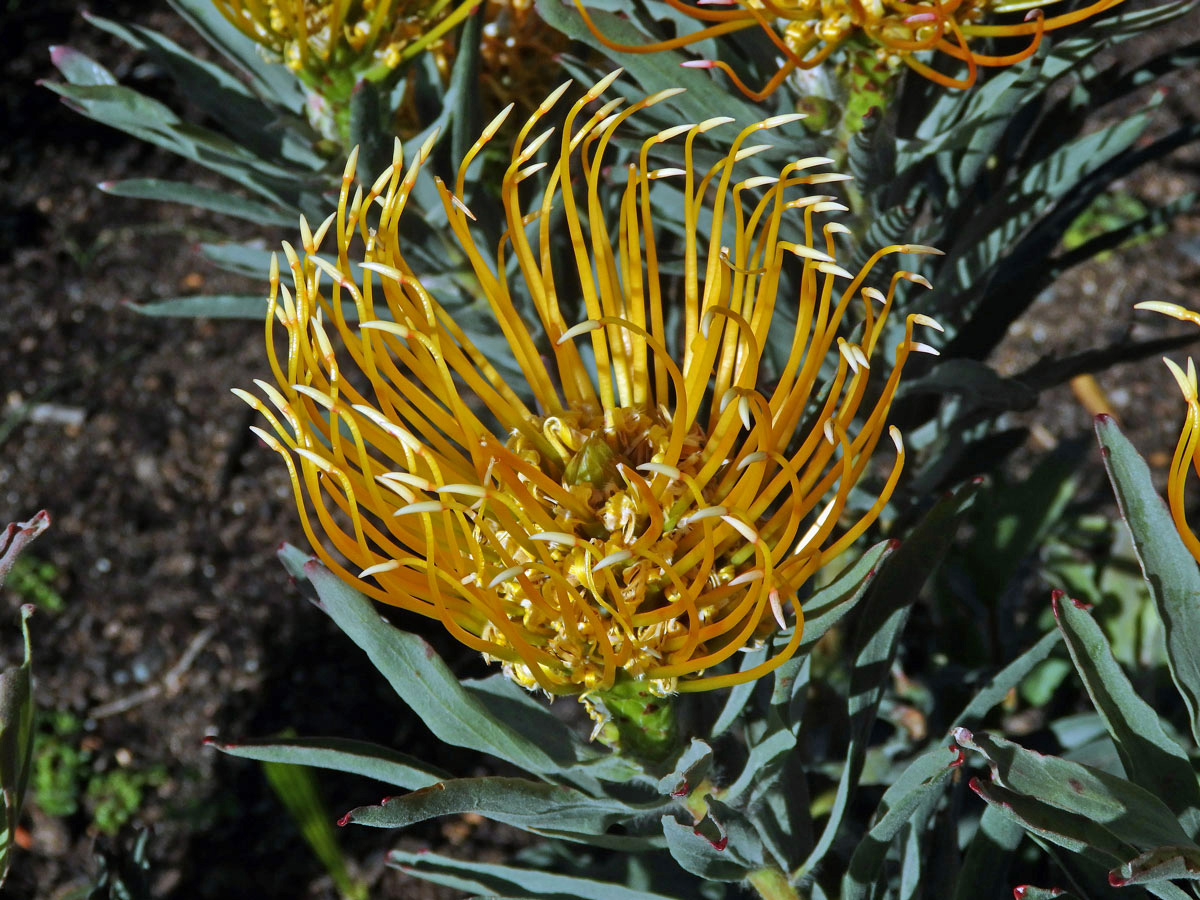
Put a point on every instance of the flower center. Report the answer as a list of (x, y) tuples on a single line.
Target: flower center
[(622, 546)]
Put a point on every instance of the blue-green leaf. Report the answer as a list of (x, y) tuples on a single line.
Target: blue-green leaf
[(209, 306), (417, 673), (529, 805), (894, 591), (1149, 756), (705, 856), (507, 881), (218, 201), (1132, 814), (270, 79), (1161, 863), (1169, 569), (340, 755)]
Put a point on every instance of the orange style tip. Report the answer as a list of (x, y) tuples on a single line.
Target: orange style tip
[(697, 64), (921, 248)]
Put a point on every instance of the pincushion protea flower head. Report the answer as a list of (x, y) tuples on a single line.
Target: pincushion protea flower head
[(1187, 451), (321, 39), (652, 504), (808, 32)]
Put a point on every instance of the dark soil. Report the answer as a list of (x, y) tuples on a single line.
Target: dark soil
[(176, 621)]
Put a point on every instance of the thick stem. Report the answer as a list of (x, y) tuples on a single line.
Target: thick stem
[(638, 723), (772, 884)]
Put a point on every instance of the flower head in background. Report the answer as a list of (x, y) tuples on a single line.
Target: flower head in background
[(1187, 451), (320, 39), (331, 46), (808, 32), (648, 498)]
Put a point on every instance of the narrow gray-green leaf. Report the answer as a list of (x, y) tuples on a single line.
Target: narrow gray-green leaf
[(1169, 569), (529, 805), (340, 755), (829, 604), (1131, 813), (1150, 757), (1075, 832), (78, 68), (988, 856), (892, 594), (209, 306), (417, 673), (1157, 865), (218, 201), (219, 306), (491, 879), (273, 80), (703, 856)]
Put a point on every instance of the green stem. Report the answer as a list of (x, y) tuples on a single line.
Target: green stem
[(639, 723), (772, 884)]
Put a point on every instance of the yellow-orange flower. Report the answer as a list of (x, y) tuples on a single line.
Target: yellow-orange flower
[(1187, 451), (807, 32), (325, 38), (651, 498)]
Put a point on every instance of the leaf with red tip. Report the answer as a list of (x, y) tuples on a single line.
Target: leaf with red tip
[(1030, 892), (1169, 569), (418, 675), (1075, 832), (1149, 756), (78, 68), (545, 809), (1132, 814), (1159, 864)]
